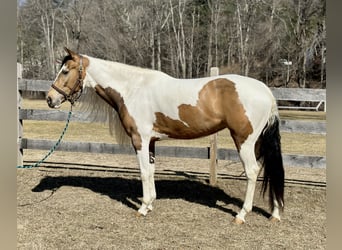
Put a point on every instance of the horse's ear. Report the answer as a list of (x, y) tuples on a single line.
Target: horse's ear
[(70, 52)]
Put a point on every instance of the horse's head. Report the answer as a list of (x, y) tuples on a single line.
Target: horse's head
[(68, 84)]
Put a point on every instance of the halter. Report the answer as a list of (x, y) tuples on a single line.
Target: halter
[(71, 97)]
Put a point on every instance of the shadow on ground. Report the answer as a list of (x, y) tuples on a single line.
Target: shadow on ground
[(128, 191)]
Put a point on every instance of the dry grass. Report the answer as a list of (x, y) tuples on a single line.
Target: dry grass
[(89, 201)]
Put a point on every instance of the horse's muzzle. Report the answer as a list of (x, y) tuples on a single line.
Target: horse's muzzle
[(53, 103)]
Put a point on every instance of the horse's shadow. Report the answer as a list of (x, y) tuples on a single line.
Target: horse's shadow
[(128, 191)]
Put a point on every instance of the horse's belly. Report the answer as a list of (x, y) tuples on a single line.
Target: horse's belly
[(191, 128)]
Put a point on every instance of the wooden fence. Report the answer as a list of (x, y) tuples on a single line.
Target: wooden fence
[(296, 126), (315, 96)]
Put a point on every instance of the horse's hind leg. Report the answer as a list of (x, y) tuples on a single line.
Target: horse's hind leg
[(252, 169)]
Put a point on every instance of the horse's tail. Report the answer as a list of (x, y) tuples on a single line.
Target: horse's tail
[(271, 159)]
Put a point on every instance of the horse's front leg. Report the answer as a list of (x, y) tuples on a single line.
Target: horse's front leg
[(146, 164)]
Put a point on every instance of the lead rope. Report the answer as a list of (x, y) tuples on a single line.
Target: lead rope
[(54, 147)]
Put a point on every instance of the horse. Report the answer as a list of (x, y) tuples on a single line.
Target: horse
[(150, 106)]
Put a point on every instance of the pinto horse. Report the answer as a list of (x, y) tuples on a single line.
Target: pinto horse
[(152, 106)]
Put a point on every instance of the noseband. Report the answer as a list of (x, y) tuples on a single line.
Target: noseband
[(73, 96)]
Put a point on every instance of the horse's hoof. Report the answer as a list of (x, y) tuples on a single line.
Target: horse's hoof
[(149, 208), (274, 219), (139, 215), (238, 221)]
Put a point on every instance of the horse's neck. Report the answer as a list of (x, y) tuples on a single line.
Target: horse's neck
[(123, 78)]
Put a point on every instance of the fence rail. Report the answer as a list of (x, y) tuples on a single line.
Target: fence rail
[(317, 96), (167, 151), (184, 152), (296, 126)]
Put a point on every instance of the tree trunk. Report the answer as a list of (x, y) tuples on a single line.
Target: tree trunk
[(210, 40), (191, 49), (158, 52), (152, 46)]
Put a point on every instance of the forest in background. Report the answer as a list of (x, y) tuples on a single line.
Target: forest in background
[(280, 42)]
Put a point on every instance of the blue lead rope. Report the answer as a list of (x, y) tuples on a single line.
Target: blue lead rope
[(54, 147)]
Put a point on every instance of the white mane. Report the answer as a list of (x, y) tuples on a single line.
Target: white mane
[(100, 111)]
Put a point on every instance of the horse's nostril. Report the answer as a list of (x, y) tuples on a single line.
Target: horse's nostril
[(49, 100)]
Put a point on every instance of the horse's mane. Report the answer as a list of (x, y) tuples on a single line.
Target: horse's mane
[(98, 110)]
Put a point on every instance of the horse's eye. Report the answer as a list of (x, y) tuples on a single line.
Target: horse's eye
[(64, 71)]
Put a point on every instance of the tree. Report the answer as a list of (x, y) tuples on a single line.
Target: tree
[(183, 38), (303, 20)]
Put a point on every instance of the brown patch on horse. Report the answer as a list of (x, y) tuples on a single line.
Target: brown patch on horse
[(218, 107), (177, 129), (113, 98)]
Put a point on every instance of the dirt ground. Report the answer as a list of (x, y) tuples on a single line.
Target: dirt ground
[(89, 201)]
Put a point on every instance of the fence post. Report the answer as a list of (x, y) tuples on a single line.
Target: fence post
[(19, 121), (214, 71)]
